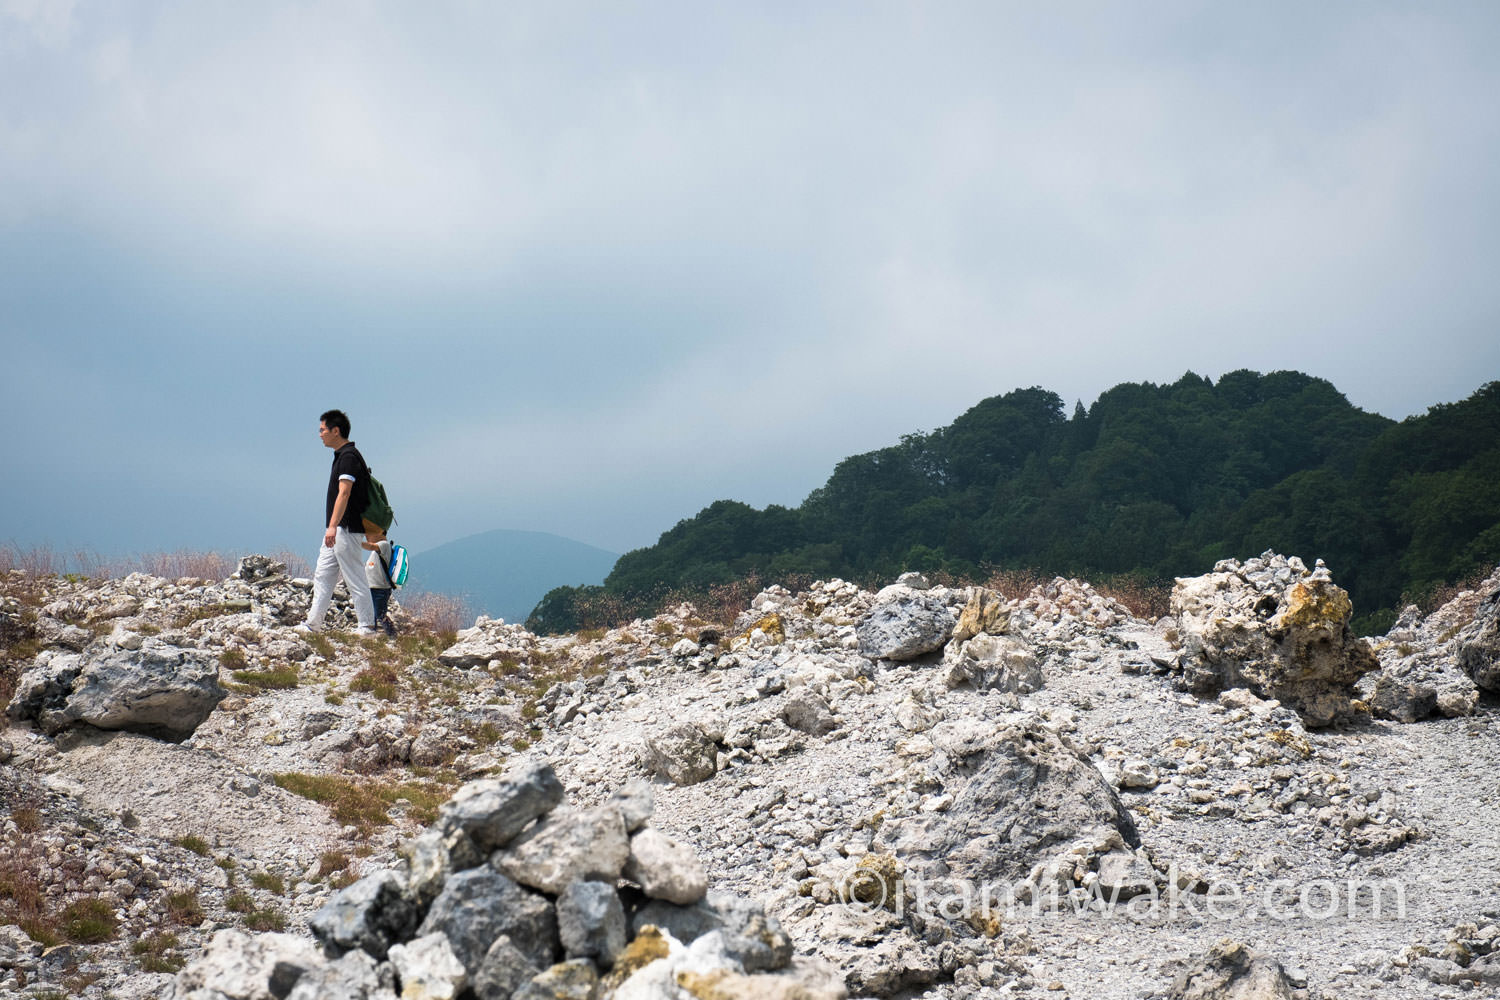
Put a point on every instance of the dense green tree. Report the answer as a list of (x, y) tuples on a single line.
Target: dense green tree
[(1151, 480)]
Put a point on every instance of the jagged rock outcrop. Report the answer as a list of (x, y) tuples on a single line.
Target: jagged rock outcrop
[(1479, 653), (132, 683), (1273, 626), (1438, 665), (992, 663)]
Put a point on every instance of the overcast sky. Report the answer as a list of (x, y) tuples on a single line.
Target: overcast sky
[(585, 268)]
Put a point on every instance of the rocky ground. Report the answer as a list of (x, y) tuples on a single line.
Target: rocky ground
[(931, 792)]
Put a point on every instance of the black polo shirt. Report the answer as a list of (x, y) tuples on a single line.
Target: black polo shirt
[(347, 461)]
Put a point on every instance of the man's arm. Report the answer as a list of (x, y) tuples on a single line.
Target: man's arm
[(340, 504)]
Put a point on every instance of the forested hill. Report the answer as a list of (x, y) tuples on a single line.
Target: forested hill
[(1152, 480)]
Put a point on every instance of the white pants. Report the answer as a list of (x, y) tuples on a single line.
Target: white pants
[(346, 558)]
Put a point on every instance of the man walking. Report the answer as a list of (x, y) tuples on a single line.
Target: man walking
[(343, 552)]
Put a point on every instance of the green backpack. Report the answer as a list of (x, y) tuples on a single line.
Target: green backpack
[(378, 512)]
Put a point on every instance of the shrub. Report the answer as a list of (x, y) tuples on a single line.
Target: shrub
[(269, 919), (184, 909), (155, 953), (437, 614), (89, 921), (268, 881), (196, 844), (331, 863)]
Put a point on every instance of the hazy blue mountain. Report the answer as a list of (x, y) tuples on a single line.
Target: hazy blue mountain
[(504, 573)]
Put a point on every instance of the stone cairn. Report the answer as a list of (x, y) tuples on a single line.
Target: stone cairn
[(512, 895)]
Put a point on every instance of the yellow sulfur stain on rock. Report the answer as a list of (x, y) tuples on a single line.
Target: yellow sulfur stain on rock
[(649, 945), (771, 625), (1314, 604)]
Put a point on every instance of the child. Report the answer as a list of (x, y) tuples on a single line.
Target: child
[(380, 581)]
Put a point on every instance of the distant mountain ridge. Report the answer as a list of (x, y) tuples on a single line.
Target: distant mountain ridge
[(503, 573)]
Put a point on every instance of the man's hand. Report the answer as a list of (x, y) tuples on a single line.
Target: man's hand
[(328, 537)]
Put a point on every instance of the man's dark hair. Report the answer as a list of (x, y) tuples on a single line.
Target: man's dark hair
[(336, 418)]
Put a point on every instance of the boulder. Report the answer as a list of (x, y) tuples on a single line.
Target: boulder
[(591, 922), (992, 663), (504, 969), (249, 967), (1123, 875), (356, 976), (428, 969), (489, 639), (986, 612), (1275, 627), (1479, 656), (636, 803), (575, 979), (665, 868), (807, 711), (493, 811), (1029, 792), (566, 847), (370, 915), (1231, 970), (1438, 665), (478, 905), (904, 624), (157, 689), (683, 754)]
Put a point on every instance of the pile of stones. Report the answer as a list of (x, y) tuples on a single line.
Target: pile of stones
[(511, 894)]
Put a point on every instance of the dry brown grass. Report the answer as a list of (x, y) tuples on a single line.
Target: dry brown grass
[(1014, 584), (44, 561), (1145, 598), (438, 614), (1434, 597)]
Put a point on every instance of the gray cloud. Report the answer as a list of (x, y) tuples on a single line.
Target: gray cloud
[(584, 268)]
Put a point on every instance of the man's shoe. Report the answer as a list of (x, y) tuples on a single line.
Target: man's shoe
[(390, 628), (365, 630), (302, 628)]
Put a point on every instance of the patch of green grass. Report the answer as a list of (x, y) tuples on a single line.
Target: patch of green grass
[(198, 614), (269, 882), (363, 803), (379, 679), (193, 843), (269, 919), (233, 659), (89, 921), (239, 902), (279, 679), (333, 698)]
